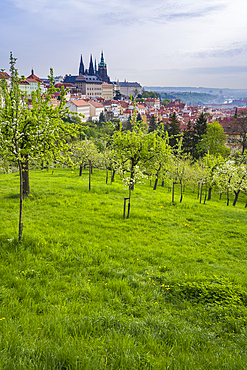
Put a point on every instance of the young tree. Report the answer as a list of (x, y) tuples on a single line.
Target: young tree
[(132, 148), (30, 132), (85, 154), (214, 140)]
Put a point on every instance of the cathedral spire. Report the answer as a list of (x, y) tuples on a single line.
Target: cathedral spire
[(102, 62), (81, 68), (91, 70)]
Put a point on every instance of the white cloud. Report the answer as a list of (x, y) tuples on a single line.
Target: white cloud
[(136, 35)]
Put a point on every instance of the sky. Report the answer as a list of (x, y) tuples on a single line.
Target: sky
[(199, 43)]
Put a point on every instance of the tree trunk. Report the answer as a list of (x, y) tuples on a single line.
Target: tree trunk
[(201, 193), (80, 171), (236, 197), (173, 191), (198, 190), (129, 203), (21, 200), (163, 183), (106, 178), (113, 175), (209, 193), (205, 194), (25, 177), (228, 197), (89, 172), (132, 179), (181, 188), (155, 184)]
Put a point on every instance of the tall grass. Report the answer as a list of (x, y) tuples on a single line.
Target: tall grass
[(165, 289)]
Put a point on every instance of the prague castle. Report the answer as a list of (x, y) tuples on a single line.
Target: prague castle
[(90, 80)]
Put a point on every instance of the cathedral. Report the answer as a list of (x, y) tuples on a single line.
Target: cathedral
[(90, 80), (101, 72)]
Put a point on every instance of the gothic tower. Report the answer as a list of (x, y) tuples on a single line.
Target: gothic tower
[(91, 69), (102, 70), (81, 68)]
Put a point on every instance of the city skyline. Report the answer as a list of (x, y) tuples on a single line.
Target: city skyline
[(157, 43)]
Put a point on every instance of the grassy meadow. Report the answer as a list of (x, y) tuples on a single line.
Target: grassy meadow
[(164, 289)]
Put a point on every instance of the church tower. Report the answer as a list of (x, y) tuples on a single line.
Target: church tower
[(81, 67), (102, 70), (91, 69)]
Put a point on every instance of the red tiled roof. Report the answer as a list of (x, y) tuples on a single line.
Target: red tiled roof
[(80, 103), (33, 77), (4, 75), (95, 104), (104, 84)]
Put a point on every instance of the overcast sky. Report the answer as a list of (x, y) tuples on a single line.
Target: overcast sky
[(201, 43)]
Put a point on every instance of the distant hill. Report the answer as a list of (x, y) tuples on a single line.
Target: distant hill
[(222, 93), (193, 98)]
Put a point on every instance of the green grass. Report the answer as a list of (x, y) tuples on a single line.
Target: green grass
[(165, 289)]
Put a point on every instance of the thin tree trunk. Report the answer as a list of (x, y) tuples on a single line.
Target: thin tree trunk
[(198, 190), (181, 188), (155, 183), (236, 197), (163, 183), (106, 178), (90, 172), (113, 176), (21, 201), (173, 191), (228, 197), (201, 193), (205, 194), (132, 179), (209, 193), (80, 171), (129, 202), (25, 177)]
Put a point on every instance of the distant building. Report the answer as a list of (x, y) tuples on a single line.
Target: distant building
[(128, 88), (80, 106), (107, 91)]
